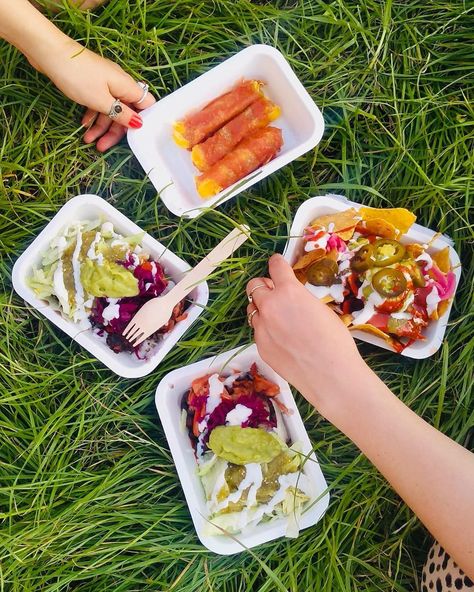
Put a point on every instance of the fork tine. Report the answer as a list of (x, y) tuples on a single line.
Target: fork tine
[(138, 339), (132, 325), (134, 333)]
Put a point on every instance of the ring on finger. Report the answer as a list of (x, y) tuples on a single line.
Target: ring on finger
[(249, 296), (145, 87), (115, 109), (250, 317)]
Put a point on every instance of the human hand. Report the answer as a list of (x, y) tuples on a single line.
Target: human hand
[(57, 5), (95, 82), (83, 76), (302, 339)]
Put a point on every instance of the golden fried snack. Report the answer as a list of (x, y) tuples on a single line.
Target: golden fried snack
[(257, 115), (252, 152), (198, 126)]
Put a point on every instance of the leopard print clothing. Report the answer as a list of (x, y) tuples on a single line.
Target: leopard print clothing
[(441, 573)]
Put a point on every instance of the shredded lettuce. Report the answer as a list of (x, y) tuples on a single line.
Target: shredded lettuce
[(287, 501), (42, 281)]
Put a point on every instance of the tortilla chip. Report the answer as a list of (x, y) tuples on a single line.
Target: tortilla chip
[(344, 222), (443, 307), (346, 319), (308, 258), (400, 218), (377, 332), (441, 258), (414, 250), (301, 275), (370, 329), (379, 227), (332, 254), (346, 233)]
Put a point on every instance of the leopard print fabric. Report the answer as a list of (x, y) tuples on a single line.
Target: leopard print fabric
[(441, 574)]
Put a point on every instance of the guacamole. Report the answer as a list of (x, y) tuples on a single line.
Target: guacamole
[(244, 445)]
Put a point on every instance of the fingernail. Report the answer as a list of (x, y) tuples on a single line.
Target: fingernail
[(135, 122)]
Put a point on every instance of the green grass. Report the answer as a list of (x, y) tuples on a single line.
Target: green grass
[(89, 497)]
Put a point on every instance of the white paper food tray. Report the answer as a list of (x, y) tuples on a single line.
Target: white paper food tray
[(169, 167), (326, 204), (168, 403), (92, 207)]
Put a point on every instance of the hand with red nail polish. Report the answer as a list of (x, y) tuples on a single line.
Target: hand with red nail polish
[(135, 122), (83, 76), (106, 82)]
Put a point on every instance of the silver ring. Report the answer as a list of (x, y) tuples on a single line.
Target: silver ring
[(115, 109), (249, 296), (145, 88), (250, 317)]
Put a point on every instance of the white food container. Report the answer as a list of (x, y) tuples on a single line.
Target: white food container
[(319, 206), (168, 403), (91, 207), (169, 167)]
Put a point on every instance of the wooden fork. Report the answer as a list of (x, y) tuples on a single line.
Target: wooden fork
[(157, 312)]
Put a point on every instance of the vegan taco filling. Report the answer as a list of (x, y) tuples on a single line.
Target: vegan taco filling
[(99, 279), (250, 471), (356, 262)]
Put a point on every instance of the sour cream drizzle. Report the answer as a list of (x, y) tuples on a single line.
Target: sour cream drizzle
[(216, 387), (252, 481), (59, 287), (58, 277), (297, 480), (80, 312), (427, 259), (320, 243), (112, 310), (432, 301), (336, 291), (361, 317), (91, 253), (238, 415)]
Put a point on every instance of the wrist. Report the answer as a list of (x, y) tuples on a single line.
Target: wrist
[(52, 49), (33, 34), (343, 390)]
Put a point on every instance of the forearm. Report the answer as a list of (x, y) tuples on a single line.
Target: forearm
[(433, 474), (31, 32)]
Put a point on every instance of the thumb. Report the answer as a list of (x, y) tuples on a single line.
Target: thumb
[(124, 88), (280, 270)]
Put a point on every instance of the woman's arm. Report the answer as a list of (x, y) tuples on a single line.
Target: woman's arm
[(83, 76), (306, 343)]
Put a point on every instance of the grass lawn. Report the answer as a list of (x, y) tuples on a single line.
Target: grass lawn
[(89, 497)]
